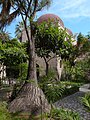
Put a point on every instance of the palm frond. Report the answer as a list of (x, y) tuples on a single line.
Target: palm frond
[(6, 16), (12, 16), (44, 4), (6, 20), (86, 100)]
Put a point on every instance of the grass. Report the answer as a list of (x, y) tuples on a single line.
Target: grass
[(5, 115)]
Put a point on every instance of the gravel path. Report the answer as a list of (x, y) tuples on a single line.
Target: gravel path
[(72, 102)]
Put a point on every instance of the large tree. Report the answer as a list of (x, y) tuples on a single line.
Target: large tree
[(50, 41), (80, 50), (83, 44), (18, 30), (12, 54), (30, 97)]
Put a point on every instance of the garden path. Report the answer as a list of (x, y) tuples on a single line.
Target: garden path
[(73, 103)]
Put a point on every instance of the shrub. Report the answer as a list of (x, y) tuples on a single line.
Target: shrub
[(53, 92), (63, 114), (78, 72), (4, 114), (86, 101), (70, 87), (51, 87), (59, 114)]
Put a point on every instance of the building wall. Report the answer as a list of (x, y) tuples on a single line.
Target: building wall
[(24, 36), (52, 64)]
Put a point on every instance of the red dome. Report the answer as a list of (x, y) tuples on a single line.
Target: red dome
[(51, 17), (69, 31)]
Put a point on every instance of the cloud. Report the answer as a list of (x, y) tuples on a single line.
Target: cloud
[(71, 8), (72, 4)]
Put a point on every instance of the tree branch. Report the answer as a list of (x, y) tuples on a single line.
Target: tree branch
[(51, 58), (35, 7)]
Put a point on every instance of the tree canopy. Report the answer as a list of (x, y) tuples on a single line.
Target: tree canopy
[(51, 38)]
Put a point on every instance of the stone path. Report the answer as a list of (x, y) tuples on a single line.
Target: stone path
[(73, 103)]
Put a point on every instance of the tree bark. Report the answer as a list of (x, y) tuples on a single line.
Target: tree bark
[(32, 62), (30, 97), (47, 65), (47, 68)]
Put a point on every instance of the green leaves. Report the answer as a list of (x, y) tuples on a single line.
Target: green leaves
[(53, 92), (12, 53), (86, 101), (64, 114), (51, 38), (4, 113), (51, 87)]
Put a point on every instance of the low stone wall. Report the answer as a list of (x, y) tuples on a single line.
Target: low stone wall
[(85, 88)]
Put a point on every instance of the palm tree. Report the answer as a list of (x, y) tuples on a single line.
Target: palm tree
[(18, 30), (88, 35), (6, 16), (30, 97), (4, 36)]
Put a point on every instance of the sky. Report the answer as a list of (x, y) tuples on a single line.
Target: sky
[(75, 15)]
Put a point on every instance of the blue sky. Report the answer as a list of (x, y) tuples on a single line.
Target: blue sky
[(74, 13)]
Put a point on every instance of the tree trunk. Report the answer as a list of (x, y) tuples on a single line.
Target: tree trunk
[(30, 97), (32, 62), (47, 66)]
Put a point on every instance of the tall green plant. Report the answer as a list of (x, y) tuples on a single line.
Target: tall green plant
[(78, 72), (51, 87), (4, 114), (86, 101), (12, 55), (63, 114), (50, 41)]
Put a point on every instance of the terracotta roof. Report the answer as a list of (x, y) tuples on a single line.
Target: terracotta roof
[(51, 17)]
